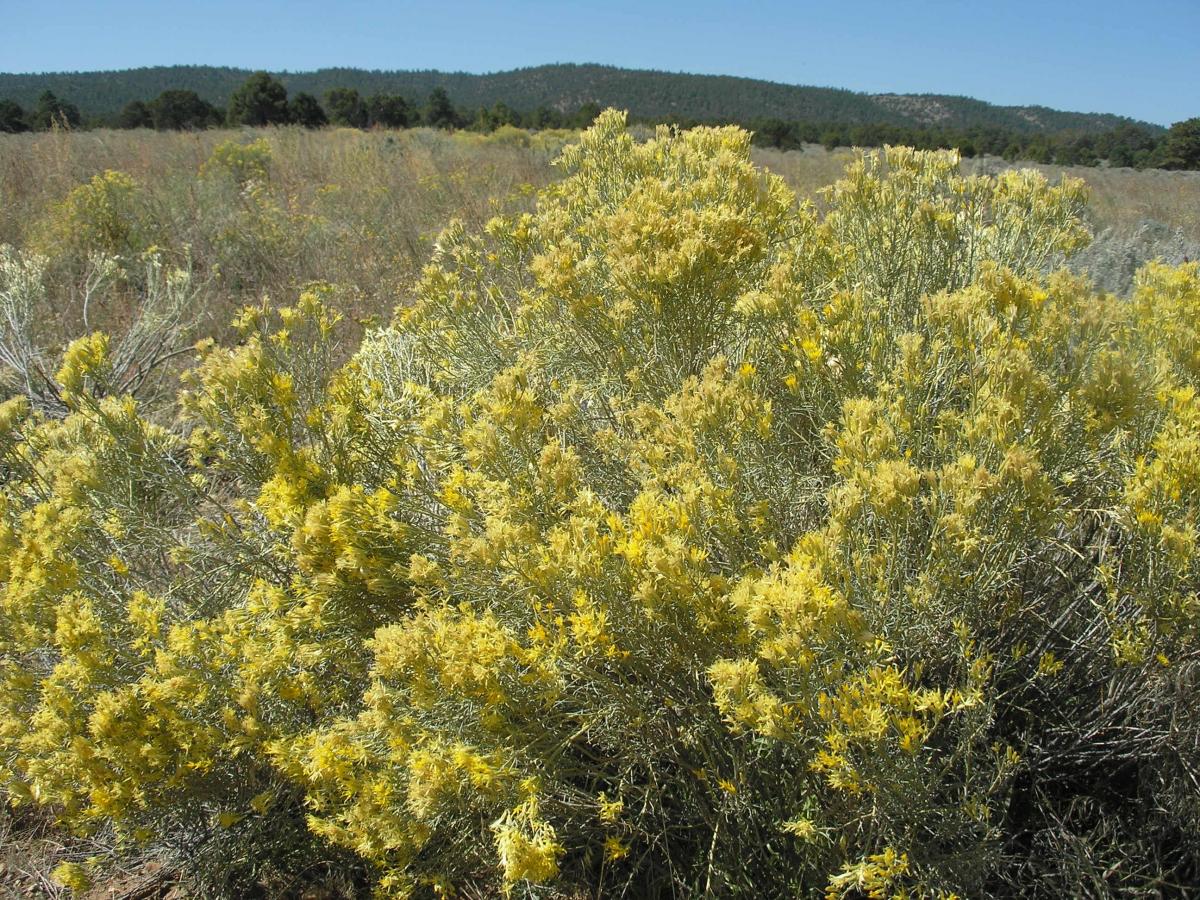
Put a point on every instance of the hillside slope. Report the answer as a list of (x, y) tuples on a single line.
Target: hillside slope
[(646, 94)]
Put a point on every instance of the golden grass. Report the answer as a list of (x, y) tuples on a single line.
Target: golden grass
[(361, 209), (358, 209), (1120, 199)]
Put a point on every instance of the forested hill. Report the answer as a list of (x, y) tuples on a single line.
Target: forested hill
[(646, 94)]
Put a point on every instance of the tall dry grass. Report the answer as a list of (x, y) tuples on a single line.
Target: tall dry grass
[(360, 209), (1119, 199), (356, 209)]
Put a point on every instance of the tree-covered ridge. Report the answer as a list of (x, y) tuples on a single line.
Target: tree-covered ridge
[(263, 100), (565, 87)]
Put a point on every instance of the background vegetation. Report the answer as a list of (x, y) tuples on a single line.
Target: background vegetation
[(563, 87), (559, 96), (281, 207)]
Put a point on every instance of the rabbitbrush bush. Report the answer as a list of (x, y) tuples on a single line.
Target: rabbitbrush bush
[(676, 541)]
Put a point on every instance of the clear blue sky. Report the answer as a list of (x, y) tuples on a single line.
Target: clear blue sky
[(1137, 59)]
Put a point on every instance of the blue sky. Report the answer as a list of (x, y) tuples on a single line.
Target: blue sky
[(1140, 60)]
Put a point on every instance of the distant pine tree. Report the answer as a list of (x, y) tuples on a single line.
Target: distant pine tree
[(1181, 147), (261, 100), (182, 110), (307, 112), (346, 108), (51, 111), (136, 114), (12, 118), (391, 111), (440, 112)]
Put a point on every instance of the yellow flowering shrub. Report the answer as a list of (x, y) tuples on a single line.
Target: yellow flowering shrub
[(106, 215), (243, 163), (678, 539), (255, 227)]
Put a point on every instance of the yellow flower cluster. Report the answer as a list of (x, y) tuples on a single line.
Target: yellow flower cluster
[(106, 215), (670, 516)]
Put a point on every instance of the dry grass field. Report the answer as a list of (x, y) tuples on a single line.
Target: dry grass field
[(360, 210)]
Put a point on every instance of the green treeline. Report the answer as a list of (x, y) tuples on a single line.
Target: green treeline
[(263, 100), (650, 96), (1125, 145)]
